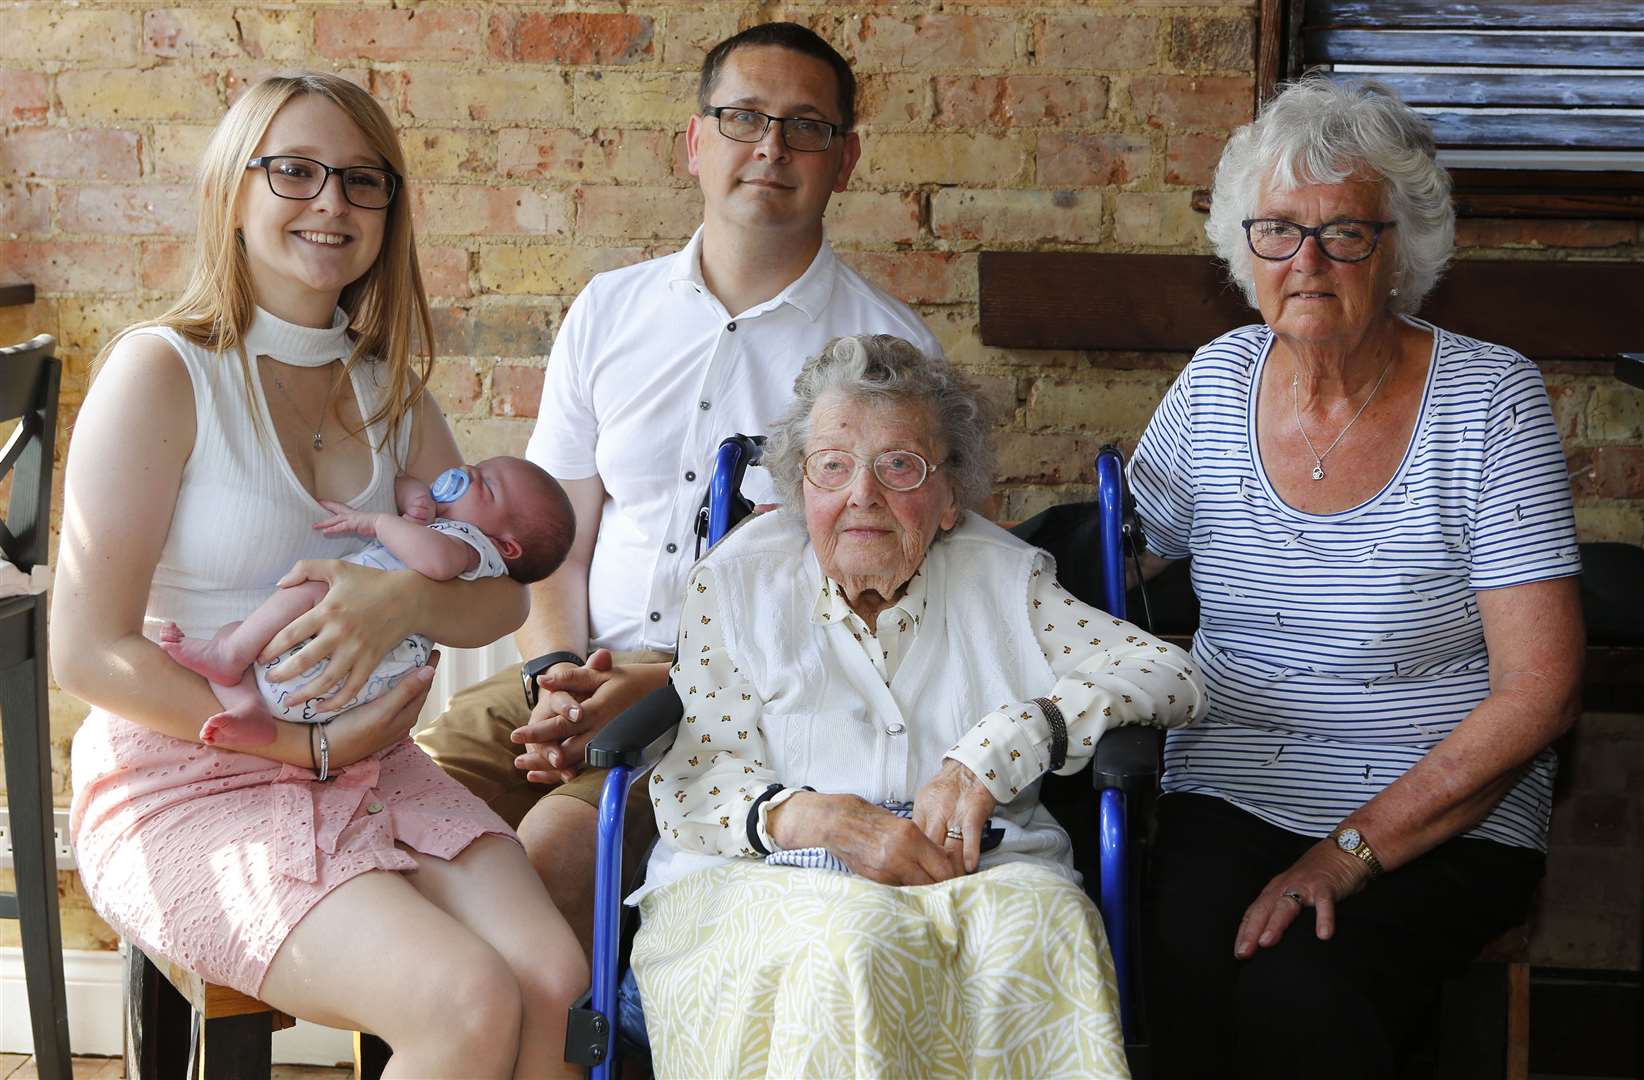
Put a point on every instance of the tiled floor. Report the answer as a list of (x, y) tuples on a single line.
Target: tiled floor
[(18, 1067)]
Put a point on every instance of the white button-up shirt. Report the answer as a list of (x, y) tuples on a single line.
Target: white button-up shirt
[(648, 373)]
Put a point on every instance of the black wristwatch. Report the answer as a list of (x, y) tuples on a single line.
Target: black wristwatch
[(529, 671)]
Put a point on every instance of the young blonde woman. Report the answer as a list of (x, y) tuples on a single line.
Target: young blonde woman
[(335, 872)]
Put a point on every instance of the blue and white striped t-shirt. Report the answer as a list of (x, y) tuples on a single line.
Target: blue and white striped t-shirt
[(1339, 648)]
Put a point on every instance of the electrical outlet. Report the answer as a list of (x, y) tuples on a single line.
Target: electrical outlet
[(60, 839)]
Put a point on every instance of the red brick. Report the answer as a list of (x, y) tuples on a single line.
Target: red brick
[(444, 270), (1569, 401), (1096, 42), (516, 390), (919, 277), (418, 34), (637, 213), (1203, 44), (610, 156), (455, 385), (895, 42), (164, 265), (473, 329), (873, 217), (1091, 160), (127, 210), (70, 154), (466, 210), (1020, 100), (70, 266), (1213, 103), (1608, 472), (24, 208), (1507, 232), (1190, 160), (23, 97), (575, 37), (892, 99)]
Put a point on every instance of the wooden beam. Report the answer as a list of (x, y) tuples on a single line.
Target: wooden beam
[(1472, 15), (1176, 303), (16, 295)]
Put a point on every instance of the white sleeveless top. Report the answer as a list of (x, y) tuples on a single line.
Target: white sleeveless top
[(242, 518)]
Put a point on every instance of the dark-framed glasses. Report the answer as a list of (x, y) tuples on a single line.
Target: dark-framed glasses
[(803, 133), (291, 177), (896, 470), (1348, 240)]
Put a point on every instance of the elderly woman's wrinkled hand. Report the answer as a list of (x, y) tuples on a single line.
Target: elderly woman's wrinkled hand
[(1320, 879), (953, 810), (880, 845)]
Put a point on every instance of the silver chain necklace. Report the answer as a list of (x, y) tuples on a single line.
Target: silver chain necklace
[(1295, 405), (317, 439)]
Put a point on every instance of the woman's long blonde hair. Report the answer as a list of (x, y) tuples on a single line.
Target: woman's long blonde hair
[(387, 307)]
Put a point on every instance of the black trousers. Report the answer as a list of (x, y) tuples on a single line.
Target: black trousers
[(1348, 1007)]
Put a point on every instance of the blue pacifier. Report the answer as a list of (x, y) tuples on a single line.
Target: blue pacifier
[(449, 486)]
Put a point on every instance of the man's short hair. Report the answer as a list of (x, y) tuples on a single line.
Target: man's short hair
[(789, 36)]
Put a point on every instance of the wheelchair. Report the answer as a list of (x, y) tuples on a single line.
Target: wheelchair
[(1088, 541)]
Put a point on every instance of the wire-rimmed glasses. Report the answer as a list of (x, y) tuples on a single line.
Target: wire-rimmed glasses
[(1348, 240), (292, 177), (896, 470), (803, 133)]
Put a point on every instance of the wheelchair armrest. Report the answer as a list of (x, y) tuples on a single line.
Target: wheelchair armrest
[(1127, 758), (641, 734)]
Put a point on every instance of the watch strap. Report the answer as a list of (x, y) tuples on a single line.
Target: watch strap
[(539, 664), (1058, 731)]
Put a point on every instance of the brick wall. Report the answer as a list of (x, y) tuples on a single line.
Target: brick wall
[(545, 146)]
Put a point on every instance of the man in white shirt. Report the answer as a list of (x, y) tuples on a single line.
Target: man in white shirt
[(654, 365)]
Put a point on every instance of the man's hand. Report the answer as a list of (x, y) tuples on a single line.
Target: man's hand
[(576, 703), (345, 520), (954, 800), (1324, 876)]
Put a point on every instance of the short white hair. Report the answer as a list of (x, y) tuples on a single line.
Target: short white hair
[(1319, 132)]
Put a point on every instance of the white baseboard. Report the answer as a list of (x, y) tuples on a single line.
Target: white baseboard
[(94, 983)]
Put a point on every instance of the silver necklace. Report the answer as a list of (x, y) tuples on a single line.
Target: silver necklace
[(1295, 405), (317, 439)]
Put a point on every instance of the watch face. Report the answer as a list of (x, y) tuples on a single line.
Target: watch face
[(1349, 839)]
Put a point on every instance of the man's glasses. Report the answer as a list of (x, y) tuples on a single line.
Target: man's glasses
[(798, 132), (364, 186), (1347, 240), (897, 470)]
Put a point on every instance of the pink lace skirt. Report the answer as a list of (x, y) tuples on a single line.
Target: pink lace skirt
[(209, 857)]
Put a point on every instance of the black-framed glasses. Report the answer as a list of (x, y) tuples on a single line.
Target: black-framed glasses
[(803, 133), (291, 177), (1348, 240), (897, 470)]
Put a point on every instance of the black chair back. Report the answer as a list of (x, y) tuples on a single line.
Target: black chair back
[(30, 377)]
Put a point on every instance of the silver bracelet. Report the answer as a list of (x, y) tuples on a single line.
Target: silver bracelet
[(325, 755)]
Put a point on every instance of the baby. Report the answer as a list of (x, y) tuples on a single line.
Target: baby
[(502, 516)]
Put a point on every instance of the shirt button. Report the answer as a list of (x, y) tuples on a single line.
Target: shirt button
[(373, 808), (731, 326), (672, 548), (894, 729), (703, 405), (656, 616), (689, 476)]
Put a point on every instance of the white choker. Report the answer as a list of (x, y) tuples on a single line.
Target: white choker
[(300, 346)]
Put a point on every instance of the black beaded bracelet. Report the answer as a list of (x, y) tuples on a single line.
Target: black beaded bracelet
[(1058, 732)]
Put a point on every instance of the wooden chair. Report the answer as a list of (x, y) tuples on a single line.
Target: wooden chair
[(29, 379), (180, 1025)]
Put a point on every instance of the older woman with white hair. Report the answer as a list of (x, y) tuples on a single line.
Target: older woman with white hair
[(1384, 554), (855, 875)]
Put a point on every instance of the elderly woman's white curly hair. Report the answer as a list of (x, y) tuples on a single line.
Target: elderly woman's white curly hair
[(1319, 132), (882, 368)]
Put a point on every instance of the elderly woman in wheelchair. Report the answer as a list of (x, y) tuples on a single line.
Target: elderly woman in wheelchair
[(855, 874)]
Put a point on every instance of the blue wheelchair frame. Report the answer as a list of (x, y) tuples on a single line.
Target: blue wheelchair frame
[(1126, 763)]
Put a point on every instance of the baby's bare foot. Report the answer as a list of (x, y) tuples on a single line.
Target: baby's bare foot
[(218, 659), (227, 728)]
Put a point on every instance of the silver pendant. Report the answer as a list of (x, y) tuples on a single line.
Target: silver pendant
[(319, 444), (1318, 467)]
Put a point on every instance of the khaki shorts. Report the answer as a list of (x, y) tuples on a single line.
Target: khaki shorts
[(470, 742)]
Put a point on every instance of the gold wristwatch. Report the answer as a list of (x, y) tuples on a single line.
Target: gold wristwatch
[(1353, 842)]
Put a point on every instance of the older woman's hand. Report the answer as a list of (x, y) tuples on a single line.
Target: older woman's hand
[(363, 614), (872, 841), (1320, 879), (955, 801)]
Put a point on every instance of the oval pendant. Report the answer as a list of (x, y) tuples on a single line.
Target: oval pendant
[(1318, 471)]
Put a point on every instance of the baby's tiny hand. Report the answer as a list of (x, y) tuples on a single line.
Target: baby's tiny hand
[(345, 519)]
